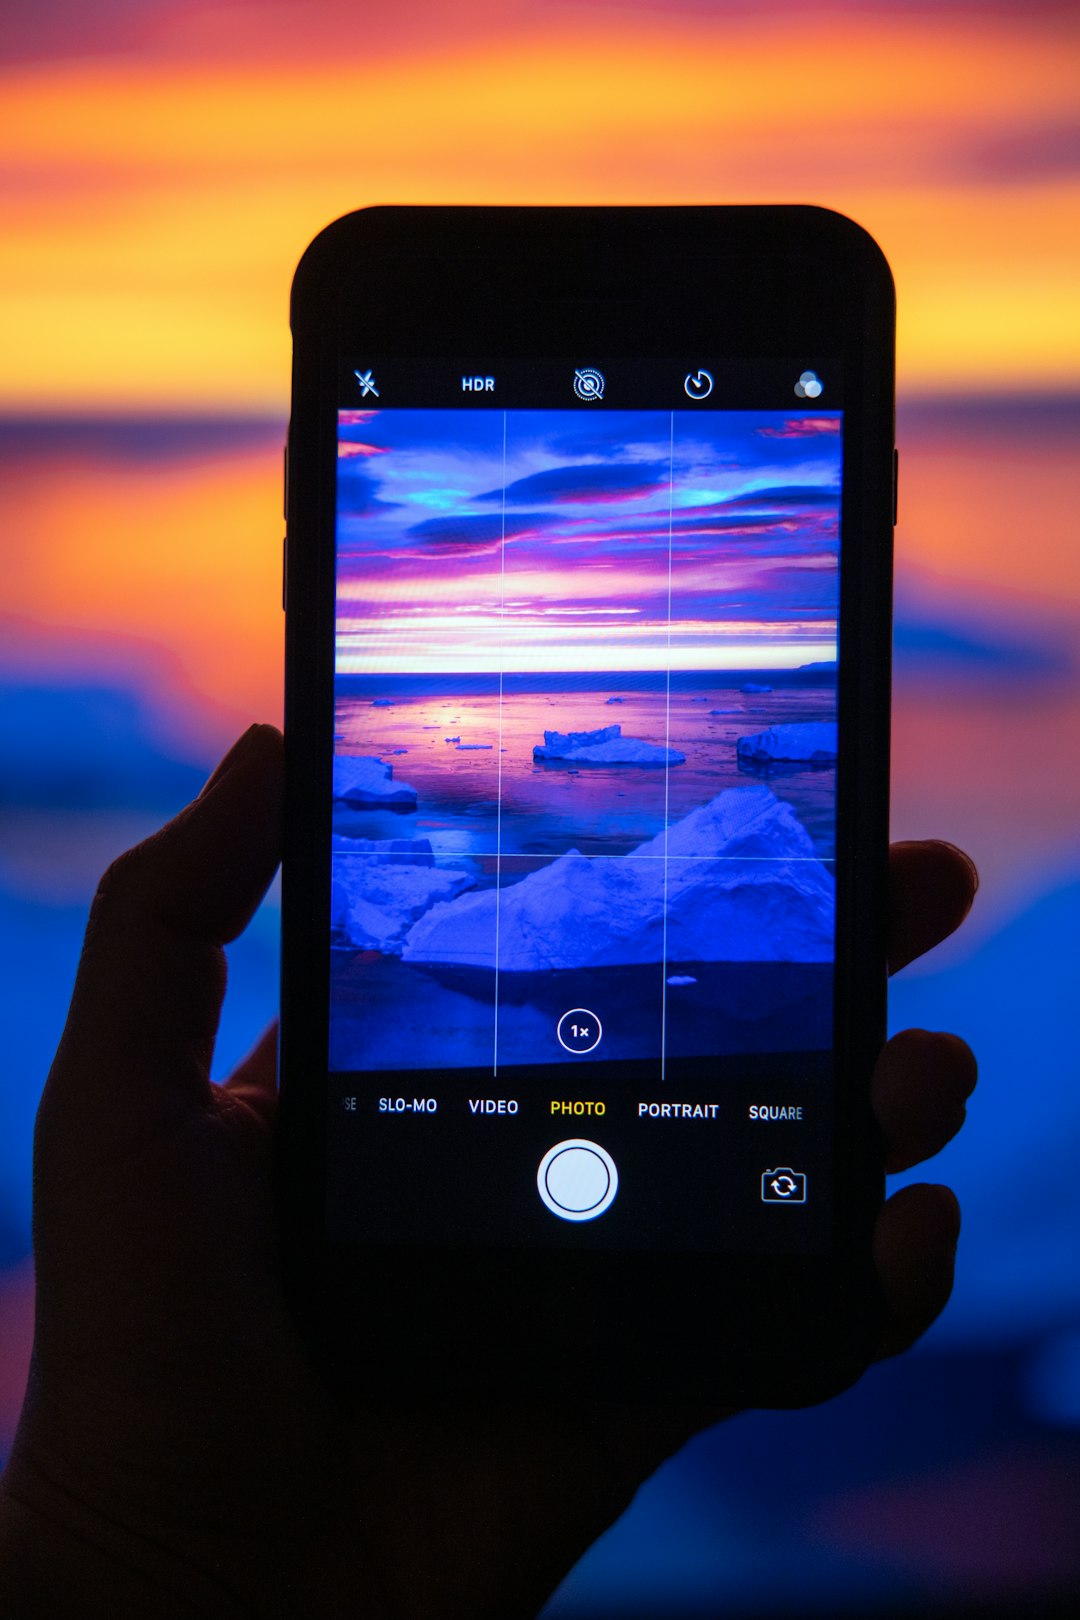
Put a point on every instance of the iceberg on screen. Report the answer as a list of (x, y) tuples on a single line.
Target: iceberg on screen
[(605, 746), (363, 781), (811, 740), (741, 884)]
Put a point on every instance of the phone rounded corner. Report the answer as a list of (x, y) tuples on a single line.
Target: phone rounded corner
[(835, 228), (327, 249)]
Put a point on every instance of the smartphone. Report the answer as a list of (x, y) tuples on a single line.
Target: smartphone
[(589, 529)]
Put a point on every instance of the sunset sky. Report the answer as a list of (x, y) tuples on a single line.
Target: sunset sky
[(163, 164), (523, 540), (166, 161)]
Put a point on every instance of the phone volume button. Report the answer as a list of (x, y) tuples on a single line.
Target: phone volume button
[(285, 574), (895, 484)]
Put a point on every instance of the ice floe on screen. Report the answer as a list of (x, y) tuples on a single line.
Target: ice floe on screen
[(605, 746), (811, 740), (362, 780)]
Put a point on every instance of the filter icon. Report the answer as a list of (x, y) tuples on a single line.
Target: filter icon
[(809, 386)]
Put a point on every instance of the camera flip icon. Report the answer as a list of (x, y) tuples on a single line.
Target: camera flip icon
[(783, 1186)]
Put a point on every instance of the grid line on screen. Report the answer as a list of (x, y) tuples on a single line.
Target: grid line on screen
[(498, 790), (667, 745), (631, 855)]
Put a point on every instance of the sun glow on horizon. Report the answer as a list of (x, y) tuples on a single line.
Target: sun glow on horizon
[(718, 530), (712, 654)]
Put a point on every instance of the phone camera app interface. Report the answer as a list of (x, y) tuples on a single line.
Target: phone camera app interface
[(584, 794)]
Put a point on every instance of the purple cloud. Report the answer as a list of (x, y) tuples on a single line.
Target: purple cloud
[(480, 530), (801, 427), (587, 481), (358, 489)]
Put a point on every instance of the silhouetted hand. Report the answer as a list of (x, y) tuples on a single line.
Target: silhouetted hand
[(176, 1454)]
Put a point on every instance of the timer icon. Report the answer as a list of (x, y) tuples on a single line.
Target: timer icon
[(698, 384)]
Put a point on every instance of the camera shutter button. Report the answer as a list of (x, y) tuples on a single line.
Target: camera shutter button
[(577, 1180)]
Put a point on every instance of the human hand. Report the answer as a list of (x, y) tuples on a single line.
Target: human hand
[(177, 1455)]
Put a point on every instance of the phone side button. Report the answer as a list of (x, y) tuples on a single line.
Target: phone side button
[(284, 574), (895, 484)]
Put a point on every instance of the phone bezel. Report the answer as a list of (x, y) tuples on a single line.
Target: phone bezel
[(551, 282)]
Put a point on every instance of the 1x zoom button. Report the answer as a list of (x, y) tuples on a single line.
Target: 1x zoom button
[(579, 1030)]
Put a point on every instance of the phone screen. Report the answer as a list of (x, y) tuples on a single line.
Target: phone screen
[(582, 878)]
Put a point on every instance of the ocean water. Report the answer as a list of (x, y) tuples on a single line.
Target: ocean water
[(728, 1009), (549, 807), (488, 807)]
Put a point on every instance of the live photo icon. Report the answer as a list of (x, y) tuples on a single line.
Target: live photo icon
[(783, 1186)]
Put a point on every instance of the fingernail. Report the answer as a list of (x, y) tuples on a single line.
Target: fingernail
[(232, 758), (950, 1210), (966, 1059), (967, 860)]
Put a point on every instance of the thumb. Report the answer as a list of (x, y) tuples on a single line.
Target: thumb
[(144, 1012)]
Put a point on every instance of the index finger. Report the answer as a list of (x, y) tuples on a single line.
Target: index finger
[(144, 1009)]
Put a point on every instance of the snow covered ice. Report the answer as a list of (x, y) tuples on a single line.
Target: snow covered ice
[(810, 740), (378, 892), (361, 780), (605, 746), (742, 884)]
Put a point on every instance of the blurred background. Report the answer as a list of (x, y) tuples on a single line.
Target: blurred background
[(162, 165)]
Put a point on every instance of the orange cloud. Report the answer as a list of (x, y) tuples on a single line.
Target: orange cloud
[(156, 204)]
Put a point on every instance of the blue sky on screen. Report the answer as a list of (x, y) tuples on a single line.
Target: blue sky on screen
[(479, 540)]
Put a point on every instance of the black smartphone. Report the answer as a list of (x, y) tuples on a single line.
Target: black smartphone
[(587, 641)]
